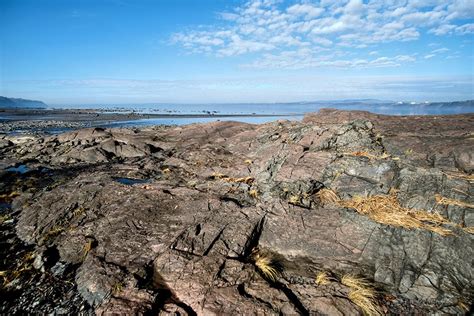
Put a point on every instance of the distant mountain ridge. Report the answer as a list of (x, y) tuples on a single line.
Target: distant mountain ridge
[(21, 103), (375, 102), (454, 103), (389, 102)]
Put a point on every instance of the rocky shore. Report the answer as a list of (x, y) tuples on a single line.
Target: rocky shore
[(344, 213), (53, 121), (40, 121)]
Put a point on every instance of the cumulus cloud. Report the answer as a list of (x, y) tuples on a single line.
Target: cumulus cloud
[(460, 9), (445, 29), (305, 10), (277, 33)]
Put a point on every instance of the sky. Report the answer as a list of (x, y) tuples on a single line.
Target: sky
[(229, 51)]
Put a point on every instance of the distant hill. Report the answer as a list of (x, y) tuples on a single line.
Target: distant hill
[(387, 102), (454, 103), (20, 103)]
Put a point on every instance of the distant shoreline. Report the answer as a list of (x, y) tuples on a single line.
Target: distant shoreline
[(16, 120), (13, 113), (34, 120)]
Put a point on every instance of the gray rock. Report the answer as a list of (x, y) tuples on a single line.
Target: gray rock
[(464, 159), (4, 143), (184, 239)]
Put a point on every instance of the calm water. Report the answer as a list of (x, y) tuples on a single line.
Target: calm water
[(188, 120), (291, 111), (285, 108)]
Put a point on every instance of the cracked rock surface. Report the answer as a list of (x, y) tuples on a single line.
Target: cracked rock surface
[(166, 220)]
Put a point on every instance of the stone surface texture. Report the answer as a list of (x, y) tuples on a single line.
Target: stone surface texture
[(181, 240)]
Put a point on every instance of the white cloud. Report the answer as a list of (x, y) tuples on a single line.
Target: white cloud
[(306, 10), (321, 41), (430, 56), (238, 46), (423, 18), (445, 29), (354, 7), (229, 16), (440, 50), (304, 59), (273, 30), (465, 29), (409, 58), (336, 27), (460, 9)]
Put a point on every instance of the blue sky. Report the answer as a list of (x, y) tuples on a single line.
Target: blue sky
[(123, 51)]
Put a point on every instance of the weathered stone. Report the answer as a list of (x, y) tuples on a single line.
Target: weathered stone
[(464, 159), (4, 143), (167, 220)]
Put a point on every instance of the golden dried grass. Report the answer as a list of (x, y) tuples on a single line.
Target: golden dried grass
[(264, 265), (362, 294), (323, 278), (463, 305), (355, 282), (328, 196), (86, 249), (10, 195), (25, 264), (221, 176), (458, 175), (294, 199), (367, 155), (268, 265), (4, 218), (253, 193), (4, 276), (447, 201), (365, 299), (386, 209), (53, 232), (78, 211), (246, 180), (469, 230)]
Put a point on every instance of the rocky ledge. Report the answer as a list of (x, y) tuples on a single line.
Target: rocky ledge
[(343, 213)]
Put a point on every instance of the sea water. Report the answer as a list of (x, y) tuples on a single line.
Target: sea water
[(272, 111)]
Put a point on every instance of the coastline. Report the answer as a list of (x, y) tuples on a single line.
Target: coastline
[(60, 120)]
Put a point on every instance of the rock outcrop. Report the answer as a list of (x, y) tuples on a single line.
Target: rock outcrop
[(229, 218)]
